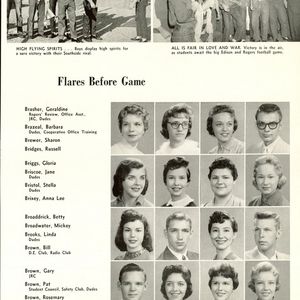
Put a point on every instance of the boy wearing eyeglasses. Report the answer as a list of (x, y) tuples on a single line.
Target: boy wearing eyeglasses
[(176, 128), (268, 122)]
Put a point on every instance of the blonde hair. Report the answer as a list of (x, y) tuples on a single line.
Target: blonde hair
[(272, 160)]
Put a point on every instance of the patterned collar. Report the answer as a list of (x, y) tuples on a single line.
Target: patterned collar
[(132, 255)]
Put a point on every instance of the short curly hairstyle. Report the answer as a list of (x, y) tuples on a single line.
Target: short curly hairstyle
[(220, 217), (269, 108), (222, 108), (134, 109), (131, 268), (263, 267), (272, 160), (224, 270), (179, 269), (131, 215), (223, 163), (174, 111), (122, 171), (176, 163)]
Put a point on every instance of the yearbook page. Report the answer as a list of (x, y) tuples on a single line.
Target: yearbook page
[(149, 150)]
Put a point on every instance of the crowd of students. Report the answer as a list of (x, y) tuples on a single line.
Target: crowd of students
[(234, 20)]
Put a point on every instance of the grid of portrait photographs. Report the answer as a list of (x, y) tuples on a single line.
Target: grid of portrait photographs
[(200, 200)]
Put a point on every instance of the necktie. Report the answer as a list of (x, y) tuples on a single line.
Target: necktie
[(183, 257)]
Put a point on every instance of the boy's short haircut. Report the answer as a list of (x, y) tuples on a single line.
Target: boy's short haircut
[(269, 108), (180, 216), (220, 217), (262, 215), (131, 268), (176, 163)]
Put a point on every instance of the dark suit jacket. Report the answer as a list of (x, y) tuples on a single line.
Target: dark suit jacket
[(167, 255)]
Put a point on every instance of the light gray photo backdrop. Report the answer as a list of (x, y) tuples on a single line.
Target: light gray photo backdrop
[(193, 266), (238, 294), (283, 243), (146, 143), (148, 267), (162, 195), (205, 189), (161, 108), (148, 161), (208, 251), (252, 136), (283, 268), (208, 141), (251, 190), (116, 218), (160, 225)]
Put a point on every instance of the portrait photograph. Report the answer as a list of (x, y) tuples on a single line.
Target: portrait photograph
[(222, 127), (182, 235), (268, 127), (268, 180), (222, 234), (267, 280), (132, 234), (132, 128), (177, 128), (222, 280), (132, 181), (268, 233), (177, 280), (222, 180), (177, 180), (132, 278)]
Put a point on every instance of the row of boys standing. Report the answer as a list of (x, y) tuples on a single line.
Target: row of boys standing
[(63, 7)]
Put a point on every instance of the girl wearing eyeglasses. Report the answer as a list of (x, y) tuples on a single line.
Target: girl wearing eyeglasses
[(176, 128)]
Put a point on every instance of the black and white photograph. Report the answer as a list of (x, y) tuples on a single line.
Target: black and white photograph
[(267, 280), (177, 234), (132, 181), (222, 280), (132, 280), (177, 181), (177, 128), (177, 280), (268, 232), (222, 234), (226, 21), (222, 128), (132, 128), (268, 180), (61, 21), (268, 127), (222, 180), (132, 234)]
